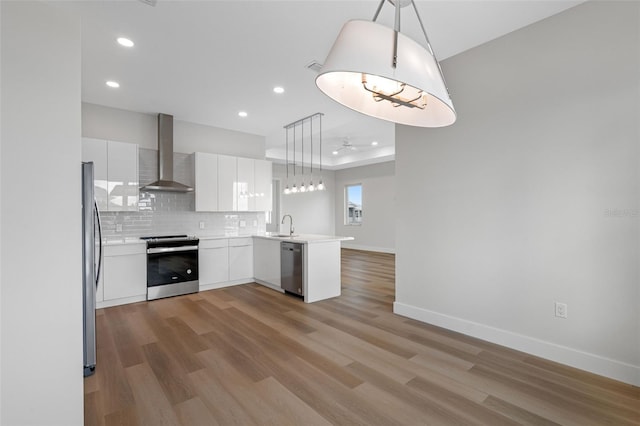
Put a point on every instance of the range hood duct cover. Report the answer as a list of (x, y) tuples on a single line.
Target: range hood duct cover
[(165, 159)]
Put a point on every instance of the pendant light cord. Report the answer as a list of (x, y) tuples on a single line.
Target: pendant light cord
[(311, 162), (320, 146)]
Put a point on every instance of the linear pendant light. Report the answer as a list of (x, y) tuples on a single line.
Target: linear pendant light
[(293, 126), (380, 72)]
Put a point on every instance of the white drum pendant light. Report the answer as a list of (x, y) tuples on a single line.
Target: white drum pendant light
[(380, 72)]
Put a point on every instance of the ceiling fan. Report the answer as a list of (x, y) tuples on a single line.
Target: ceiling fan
[(346, 146)]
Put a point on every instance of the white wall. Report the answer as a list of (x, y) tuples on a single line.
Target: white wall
[(41, 270), (1, 222), (377, 231), (532, 196), (128, 126), (312, 212)]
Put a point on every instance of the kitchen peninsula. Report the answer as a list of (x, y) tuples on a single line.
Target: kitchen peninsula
[(320, 268)]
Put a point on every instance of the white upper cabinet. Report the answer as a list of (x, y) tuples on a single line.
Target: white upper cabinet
[(245, 192), (227, 178), (225, 183), (115, 173), (122, 170), (206, 179), (263, 177), (96, 150)]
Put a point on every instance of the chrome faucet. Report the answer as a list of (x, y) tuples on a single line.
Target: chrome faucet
[(290, 223)]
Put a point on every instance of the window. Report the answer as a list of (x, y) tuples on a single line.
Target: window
[(353, 204)]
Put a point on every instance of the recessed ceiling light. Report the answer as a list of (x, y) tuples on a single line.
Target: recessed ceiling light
[(125, 42), (374, 143), (242, 114), (335, 152), (278, 89), (113, 84)]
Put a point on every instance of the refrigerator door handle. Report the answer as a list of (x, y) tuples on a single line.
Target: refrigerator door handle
[(95, 206)]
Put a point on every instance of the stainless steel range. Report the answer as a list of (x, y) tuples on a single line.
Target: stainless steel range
[(172, 266)]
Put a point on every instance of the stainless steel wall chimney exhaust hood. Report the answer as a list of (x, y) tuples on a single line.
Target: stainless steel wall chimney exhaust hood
[(165, 180)]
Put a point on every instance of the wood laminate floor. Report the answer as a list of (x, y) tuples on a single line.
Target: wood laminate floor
[(247, 355)]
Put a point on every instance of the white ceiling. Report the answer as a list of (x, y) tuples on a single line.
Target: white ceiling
[(204, 61)]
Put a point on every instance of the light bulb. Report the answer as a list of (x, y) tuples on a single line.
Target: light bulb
[(311, 187), (381, 84), (294, 189), (303, 188), (321, 186), (287, 191)]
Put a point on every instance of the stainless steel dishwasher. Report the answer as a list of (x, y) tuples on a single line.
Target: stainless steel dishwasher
[(292, 267)]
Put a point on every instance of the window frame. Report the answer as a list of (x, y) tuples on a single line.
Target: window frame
[(345, 208)]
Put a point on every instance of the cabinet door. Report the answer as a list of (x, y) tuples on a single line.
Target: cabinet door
[(263, 179), (227, 176), (246, 200), (206, 173), (240, 261), (213, 265), (96, 150), (266, 260), (125, 276), (122, 170)]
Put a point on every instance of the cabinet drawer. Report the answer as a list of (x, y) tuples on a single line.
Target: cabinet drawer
[(219, 243), (124, 250), (237, 242)]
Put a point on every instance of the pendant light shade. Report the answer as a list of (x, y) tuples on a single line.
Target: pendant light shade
[(380, 72)]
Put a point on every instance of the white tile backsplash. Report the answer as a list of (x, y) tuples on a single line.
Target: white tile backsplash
[(166, 213)]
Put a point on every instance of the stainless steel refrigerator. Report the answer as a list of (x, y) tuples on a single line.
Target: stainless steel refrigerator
[(91, 266)]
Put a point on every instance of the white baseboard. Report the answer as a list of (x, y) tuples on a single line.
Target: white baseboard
[(121, 301), (267, 284), (368, 248), (592, 363), (205, 287)]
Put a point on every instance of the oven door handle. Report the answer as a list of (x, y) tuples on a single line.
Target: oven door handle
[(156, 250)]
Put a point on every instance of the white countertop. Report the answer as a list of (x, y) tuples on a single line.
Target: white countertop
[(112, 241), (298, 238), (304, 238), (222, 237)]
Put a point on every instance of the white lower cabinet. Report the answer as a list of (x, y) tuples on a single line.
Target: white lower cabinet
[(241, 259), (213, 262), (266, 261), (124, 273)]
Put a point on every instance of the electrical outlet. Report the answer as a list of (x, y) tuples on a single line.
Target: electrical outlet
[(118, 227), (201, 225), (561, 310)]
